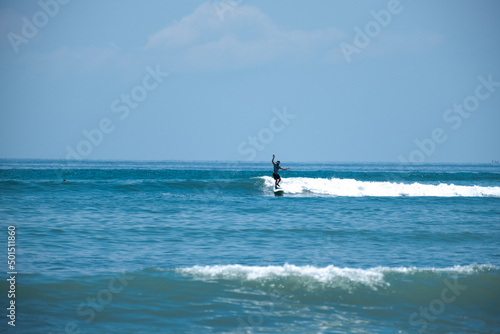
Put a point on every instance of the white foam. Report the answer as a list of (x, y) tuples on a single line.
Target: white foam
[(463, 270), (332, 275), (251, 273), (355, 188)]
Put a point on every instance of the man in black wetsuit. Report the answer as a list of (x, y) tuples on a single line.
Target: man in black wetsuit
[(276, 175)]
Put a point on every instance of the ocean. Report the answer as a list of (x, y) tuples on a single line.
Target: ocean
[(206, 247)]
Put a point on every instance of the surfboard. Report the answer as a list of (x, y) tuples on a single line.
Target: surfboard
[(278, 191)]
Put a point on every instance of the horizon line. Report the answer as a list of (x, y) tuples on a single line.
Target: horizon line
[(494, 162)]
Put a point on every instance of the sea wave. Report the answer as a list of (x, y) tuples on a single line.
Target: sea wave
[(342, 300), (261, 273), (376, 285), (368, 276), (355, 188)]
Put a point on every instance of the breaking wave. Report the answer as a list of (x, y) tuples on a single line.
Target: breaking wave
[(355, 188)]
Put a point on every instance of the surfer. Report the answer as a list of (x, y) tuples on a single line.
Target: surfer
[(276, 175)]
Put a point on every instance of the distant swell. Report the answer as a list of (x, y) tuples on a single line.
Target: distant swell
[(355, 188)]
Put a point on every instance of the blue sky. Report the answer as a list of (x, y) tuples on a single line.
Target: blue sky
[(344, 81)]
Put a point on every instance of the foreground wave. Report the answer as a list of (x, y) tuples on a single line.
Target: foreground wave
[(355, 188), (331, 274), (372, 286), (243, 299)]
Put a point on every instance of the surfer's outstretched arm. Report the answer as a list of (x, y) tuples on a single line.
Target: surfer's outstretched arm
[(273, 160)]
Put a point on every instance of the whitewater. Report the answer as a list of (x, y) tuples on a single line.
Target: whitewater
[(356, 188)]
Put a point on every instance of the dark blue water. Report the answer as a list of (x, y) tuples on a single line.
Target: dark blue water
[(198, 247)]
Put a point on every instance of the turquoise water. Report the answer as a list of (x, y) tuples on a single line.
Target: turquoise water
[(206, 247)]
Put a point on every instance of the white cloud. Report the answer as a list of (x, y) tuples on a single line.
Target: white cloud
[(245, 36), (203, 40)]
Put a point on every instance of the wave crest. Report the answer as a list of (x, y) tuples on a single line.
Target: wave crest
[(330, 276), (355, 188)]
